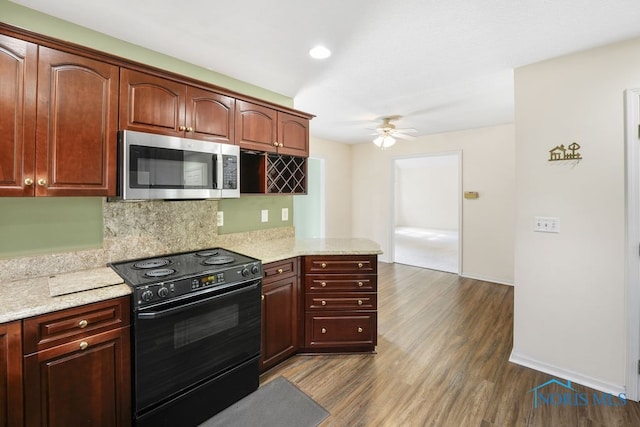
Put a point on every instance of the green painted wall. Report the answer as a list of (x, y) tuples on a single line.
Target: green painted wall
[(244, 214), (30, 226), (37, 225)]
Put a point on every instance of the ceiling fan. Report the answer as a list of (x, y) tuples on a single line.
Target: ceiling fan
[(387, 133)]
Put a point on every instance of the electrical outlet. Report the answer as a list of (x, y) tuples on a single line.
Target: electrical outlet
[(546, 224), (285, 214), (264, 215), (220, 218)]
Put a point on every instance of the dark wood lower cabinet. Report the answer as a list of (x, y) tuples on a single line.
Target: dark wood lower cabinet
[(280, 312), (11, 400), (84, 380)]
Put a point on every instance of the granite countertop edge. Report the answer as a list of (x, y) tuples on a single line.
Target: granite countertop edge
[(31, 297)]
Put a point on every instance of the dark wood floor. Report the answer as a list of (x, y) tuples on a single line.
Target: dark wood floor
[(442, 360)]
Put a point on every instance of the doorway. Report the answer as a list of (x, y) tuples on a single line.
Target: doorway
[(309, 209), (426, 217)]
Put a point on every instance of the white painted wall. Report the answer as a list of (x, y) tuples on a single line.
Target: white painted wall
[(570, 287), (487, 223), (427, 192), (337, 164)]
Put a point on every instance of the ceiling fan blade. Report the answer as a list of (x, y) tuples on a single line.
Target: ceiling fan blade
[(402, 136)]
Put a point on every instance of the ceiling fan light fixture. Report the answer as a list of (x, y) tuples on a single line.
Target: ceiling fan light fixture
[(319, 52), (384, 141)]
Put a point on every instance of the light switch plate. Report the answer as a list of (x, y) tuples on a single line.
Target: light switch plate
[(220, 218), (264, 215), (285, 214), (546, 224)]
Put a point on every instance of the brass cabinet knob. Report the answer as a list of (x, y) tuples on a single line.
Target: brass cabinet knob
[(359, 329), (262, 298), (275, 144), (28, 181), (182, 128), (189, 129), (323, 302), (323, 330), (280, 271), (42, 182), (323, 284), (280, 145), (360, 284), (82, 324), (323, 265), (359, 302), (360, 265), (84, 345)]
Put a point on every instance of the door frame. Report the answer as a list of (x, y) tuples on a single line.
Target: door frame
[(632, 240), (392, 215)]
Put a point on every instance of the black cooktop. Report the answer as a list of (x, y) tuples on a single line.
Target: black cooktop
[(176, 266)]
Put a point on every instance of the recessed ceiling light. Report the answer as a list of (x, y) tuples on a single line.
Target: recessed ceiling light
[(320, 52)]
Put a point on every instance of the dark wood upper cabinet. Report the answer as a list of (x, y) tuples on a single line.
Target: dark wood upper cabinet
[(293, 135), (77, 119), (18, 74), (158, 105), (265, 129)]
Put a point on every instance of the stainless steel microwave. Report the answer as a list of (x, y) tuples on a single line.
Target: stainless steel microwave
[(172, 168)]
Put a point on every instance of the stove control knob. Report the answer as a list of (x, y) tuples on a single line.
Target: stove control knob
[(163, 292), (245, 272), (255, 269), (146, 296)]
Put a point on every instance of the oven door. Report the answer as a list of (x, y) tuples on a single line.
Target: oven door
[(181, 344)]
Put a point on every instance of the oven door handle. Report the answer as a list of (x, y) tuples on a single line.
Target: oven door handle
[(191, 305)]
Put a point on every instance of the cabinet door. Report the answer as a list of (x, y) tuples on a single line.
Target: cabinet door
[(18, 73), (256, 127), (83, 382), (209, 116), (151, 104), (280, 321), (77, 119), (11, 403), (293, 135)]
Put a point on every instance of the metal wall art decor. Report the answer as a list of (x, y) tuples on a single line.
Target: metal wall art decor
[(565, 153)]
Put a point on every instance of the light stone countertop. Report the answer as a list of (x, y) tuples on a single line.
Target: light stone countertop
[(30, 297)]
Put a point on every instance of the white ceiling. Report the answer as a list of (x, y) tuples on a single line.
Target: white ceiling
[(442, 65)]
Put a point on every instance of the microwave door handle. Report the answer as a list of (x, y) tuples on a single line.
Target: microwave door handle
[(192, 305), (214, 173)]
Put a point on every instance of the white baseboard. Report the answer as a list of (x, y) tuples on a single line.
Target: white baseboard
[(566, 374), (486, 279)]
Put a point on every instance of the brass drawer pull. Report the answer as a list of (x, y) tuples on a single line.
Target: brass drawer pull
[(359, 302), (280, 271), (323, 265), (323, 302), (82, 324), (323, 330), (262, 298), (360, 284), (360, 265), (359, 329), (323, 284), (84, 345)]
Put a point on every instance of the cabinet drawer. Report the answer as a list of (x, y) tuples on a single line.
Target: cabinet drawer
[(337, 330), (363, 301), (280, 269), (63, 326), (341, 283), (341, 264)]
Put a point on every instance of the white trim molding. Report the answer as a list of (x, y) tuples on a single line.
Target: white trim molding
[(576, 377), (632, 243)]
